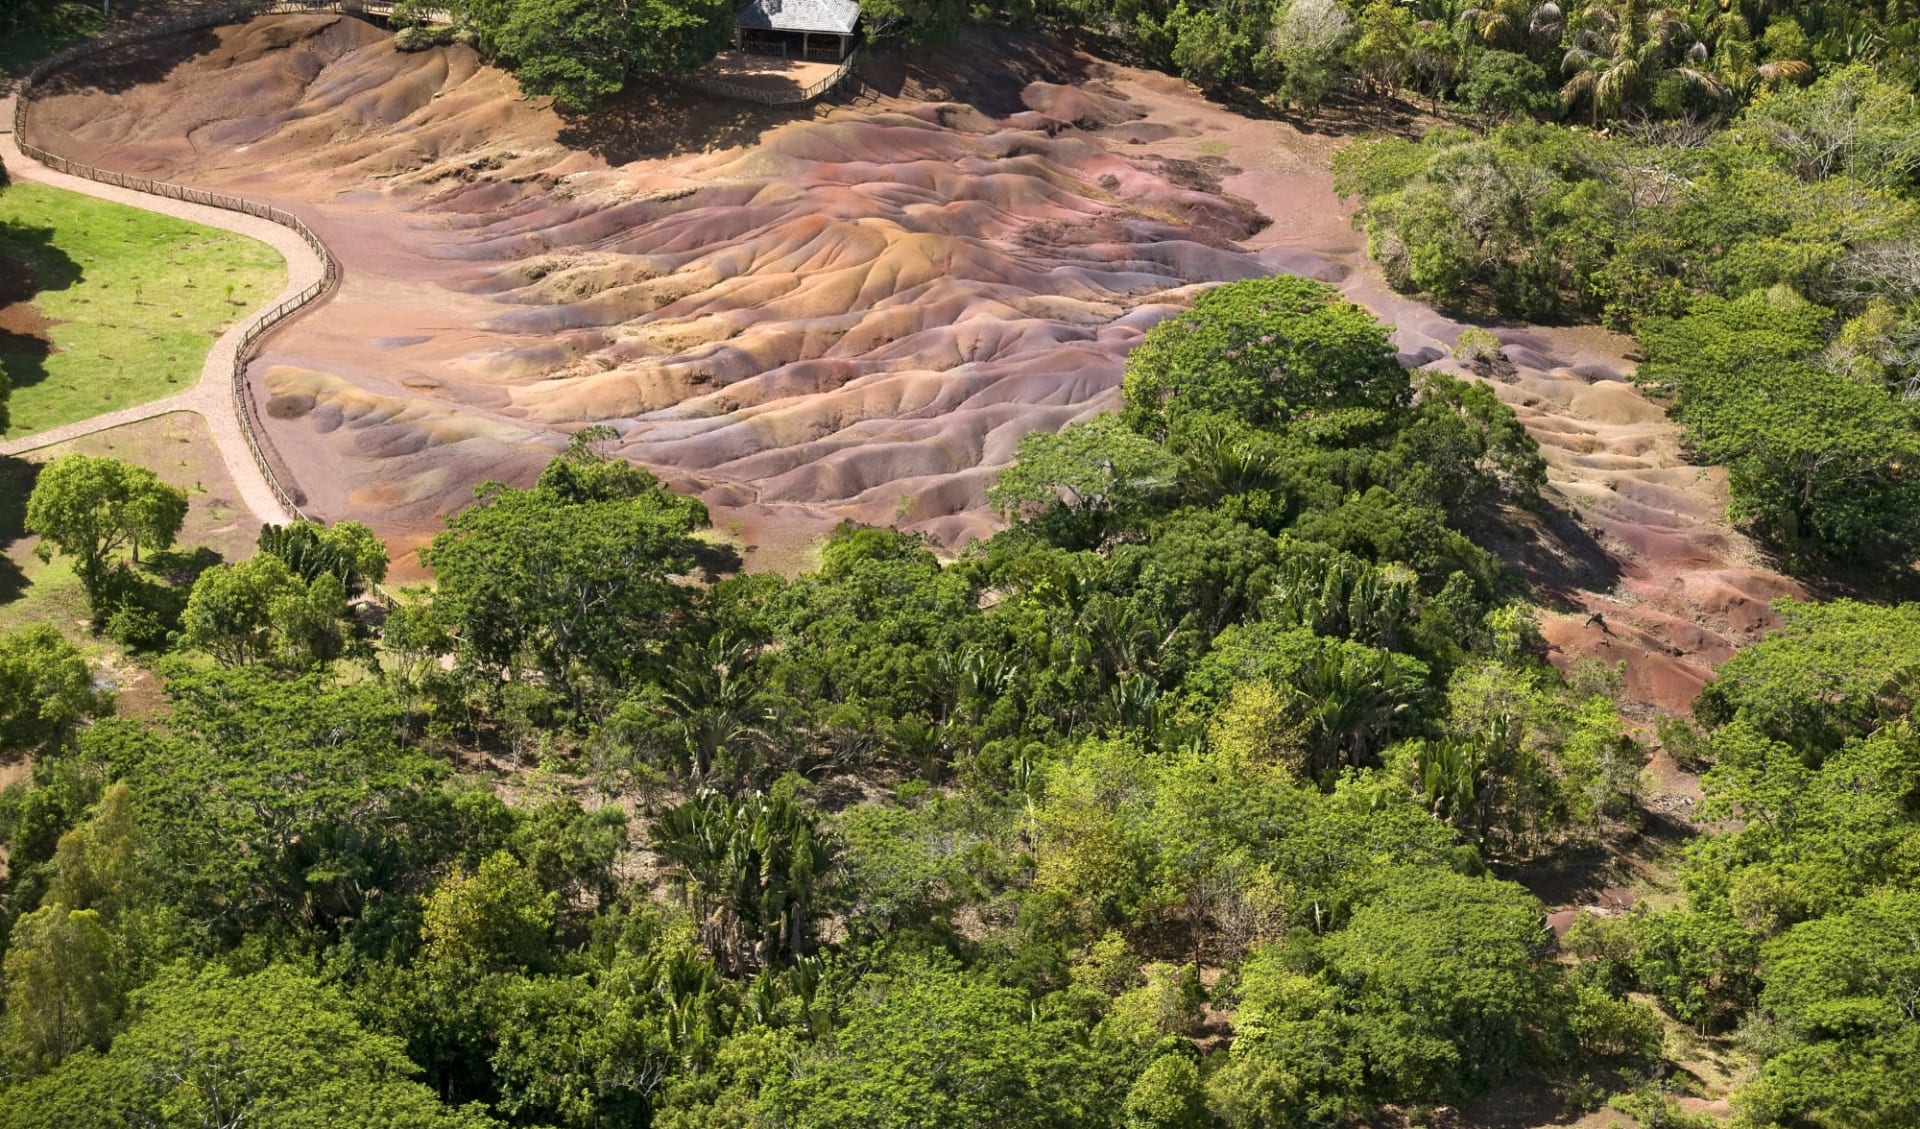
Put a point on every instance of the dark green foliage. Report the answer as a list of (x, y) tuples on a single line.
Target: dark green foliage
[(750, 871), (348, 551), (273, 1048), (583, 51), (280, 805)]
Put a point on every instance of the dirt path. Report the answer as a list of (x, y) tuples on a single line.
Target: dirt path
[(212, 396)]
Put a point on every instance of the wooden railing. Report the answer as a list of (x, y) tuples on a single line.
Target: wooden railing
[(727, 89), (260, 324)]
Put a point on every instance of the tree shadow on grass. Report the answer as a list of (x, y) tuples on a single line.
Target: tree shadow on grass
[(17, 477), (30, 265)]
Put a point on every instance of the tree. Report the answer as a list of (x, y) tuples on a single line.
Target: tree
[(1268, 352), (211, 1048), (283, 803), (1307, 39), (582, 51), (1833, 671), (46, 688), (1621, 50), (263, 612), (1167, 1095), (709, 706), (1840, 1000), (569, 580), (1854, 122), (1445, 979), (496, 919), (750, 871), (1083, 481), (347, 550), (62, 992), (931, 1045), (91, 508), (1382, 52)]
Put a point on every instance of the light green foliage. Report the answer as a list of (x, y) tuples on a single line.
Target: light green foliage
[(1839, 1014), (1482, 220), (1231, 848), (1167, 1095), (1268, 351), (261, 612), (1523, 759), (1834, 671), (930, 1045), (1307, 41), (1854, 123), (1432, 990), (1091, 474), (62, 995), (91, 508), (493, 920), (46, 689), (273, 1048)]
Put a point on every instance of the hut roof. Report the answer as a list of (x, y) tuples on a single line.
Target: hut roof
[(835, 17)]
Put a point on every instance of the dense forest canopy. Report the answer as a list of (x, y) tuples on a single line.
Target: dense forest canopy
[(1172, 805), (1191, 800)]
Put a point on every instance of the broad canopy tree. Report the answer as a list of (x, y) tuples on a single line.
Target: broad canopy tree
[(91, 508), (568, 581)]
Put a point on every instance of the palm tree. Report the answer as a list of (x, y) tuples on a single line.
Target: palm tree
[(1516, 25), (749, 871), (1621, 50), (1349, 703), (712, 699)]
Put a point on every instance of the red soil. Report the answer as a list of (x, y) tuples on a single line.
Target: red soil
[(847, 311)]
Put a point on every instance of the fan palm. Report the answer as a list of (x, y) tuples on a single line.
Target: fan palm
[(1516, 25), (714, 702), (1620, 51)]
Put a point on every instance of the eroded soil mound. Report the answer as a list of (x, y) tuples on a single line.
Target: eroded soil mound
[(852, 310), (856, 316)]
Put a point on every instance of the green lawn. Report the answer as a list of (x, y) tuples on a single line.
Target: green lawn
[(179, 449), (135, 301)]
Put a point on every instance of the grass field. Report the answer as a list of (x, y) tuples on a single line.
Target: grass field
[(179, 449), (133, 301)]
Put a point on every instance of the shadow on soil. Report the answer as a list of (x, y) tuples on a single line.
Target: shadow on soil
[(662, 119)]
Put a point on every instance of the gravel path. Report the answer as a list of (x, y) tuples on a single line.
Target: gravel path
[(212, 397)]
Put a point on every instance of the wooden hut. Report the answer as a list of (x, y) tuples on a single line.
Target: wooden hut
[(819, 30)]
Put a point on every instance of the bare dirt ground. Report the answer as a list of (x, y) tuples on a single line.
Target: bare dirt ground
[(852, 310)]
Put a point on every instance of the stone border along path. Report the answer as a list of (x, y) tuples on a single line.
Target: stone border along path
[(220, 397)]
